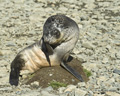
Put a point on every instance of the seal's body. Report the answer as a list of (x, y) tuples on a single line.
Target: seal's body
[(60, 35)]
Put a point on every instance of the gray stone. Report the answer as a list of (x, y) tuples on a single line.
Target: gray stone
[(99, 95), (116, 71), (46, 93), (88, 45), (116, 42), (112, 94), (35, 83), (5, 89), (118, 55), (105, 60), (70, 88), (81, 84), (10, 43), (79, 92), (69, 1), (48, 89), (61, 89), (81, 58)]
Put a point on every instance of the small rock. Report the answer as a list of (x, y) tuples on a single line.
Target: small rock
[(80, 26), (48, 89), (68, 1), (101, 79), (5, 88), (105, 60), (91, 66), (90, 93), (118, 55), (112, 55), (116, 42), (108, 47), (63, 9), (112, 94), (81, 84), (29, 42), (70, 88), (46, 93), (99, 95), (113, 89), (110, 81), (24, 76), (79, 92), (10, 43), (61, 89), (88, 45), (116, 71), (35, 83), (81, 58), (50, 74)]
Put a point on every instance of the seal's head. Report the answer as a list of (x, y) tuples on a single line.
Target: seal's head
[(56, 27)]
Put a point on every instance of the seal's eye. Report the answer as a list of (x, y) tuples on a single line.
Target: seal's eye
[(57, 33)]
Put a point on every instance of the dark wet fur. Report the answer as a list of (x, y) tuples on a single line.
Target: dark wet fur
[(16, 66), (47, 49)]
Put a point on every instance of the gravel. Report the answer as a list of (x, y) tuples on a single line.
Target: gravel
[(98, 48)]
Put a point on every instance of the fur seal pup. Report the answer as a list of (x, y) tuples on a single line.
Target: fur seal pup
[(60, 34)]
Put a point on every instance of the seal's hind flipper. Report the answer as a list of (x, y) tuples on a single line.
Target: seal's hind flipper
[(72, 71), (14, 76), (16, 66)]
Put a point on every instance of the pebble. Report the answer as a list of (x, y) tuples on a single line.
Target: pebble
[(70, 88), (116, 71), (48, 89), (79, 92), (112, 94), (118, 55), (46, 93), (61, 89), (35, 83), (81, 84), (10, 44), (88, 45), (105, 60)]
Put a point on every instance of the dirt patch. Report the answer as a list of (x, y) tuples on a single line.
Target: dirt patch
[(57, 73)]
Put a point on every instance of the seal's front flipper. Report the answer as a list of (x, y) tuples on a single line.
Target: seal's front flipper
[(72, 71), (49, 49), (14, 76)]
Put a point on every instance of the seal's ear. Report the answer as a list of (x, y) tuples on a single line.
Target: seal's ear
[(49, 49)]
